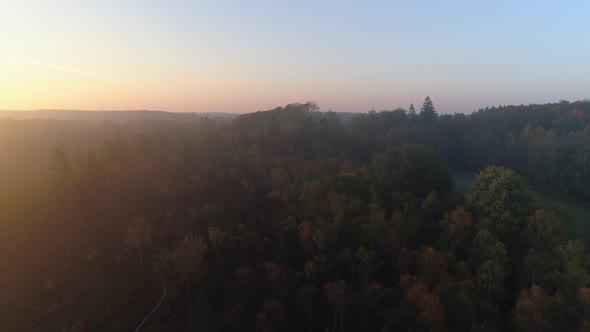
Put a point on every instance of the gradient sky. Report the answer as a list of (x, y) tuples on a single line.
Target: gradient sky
[(242, 56)]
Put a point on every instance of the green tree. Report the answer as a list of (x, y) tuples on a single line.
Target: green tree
[(501, 195), (489, 258), (574, 270)]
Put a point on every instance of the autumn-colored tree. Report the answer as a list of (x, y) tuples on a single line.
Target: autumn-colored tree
[(535, 310), (431, 266), (431, 206), (544, 229), (456, 231), (271, 317), (275, 277), (306, 235), (377, 228), (431, 316), (584, 306), (337, 206)]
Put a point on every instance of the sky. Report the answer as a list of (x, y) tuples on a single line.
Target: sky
[(247, 55)]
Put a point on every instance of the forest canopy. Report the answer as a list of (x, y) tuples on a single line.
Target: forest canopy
[(294, 219)]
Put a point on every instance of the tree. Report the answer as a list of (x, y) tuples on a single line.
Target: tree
[(528, 312), (456, 230), (271, 317), (377, 228), (429, 309), (544, 229), (489, 258), (412, 116), (408, 168), (217, 237), (59, 165), (501, 195), (428, 113), (188, 262), (336, 293), (568, 168), (574, 270), (138, 235), (536, 310), (431, 266), (366, 262)]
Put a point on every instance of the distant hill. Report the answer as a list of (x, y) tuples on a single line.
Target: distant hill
[(114, 116)]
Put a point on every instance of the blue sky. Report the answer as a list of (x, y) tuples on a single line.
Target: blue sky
[(248, 55)]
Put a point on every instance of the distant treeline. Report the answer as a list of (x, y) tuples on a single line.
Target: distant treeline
[(549, 144)]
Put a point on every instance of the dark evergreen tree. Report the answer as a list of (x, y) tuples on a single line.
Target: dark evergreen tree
[(412, 110), (428, 113)]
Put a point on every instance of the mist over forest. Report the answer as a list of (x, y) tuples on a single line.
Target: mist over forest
[(295, 219)]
